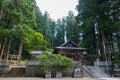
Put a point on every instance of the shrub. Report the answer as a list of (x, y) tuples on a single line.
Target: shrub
[(50, 62)]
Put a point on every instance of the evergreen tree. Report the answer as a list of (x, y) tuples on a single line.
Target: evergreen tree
[(60, 32), (72, 28), (18, 17), (96, 19)]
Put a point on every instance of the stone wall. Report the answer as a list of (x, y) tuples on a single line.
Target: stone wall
[(32, 70), (3, 69), (35, 72), (4, 65)]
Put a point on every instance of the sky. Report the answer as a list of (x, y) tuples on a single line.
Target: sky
[(57, 8)]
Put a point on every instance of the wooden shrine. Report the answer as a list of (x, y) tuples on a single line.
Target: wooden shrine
[(70, 49)]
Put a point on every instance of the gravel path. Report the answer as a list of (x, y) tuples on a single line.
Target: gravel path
[(17, 78)]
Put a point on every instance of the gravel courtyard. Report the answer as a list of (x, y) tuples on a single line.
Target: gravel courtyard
[(17, 78)]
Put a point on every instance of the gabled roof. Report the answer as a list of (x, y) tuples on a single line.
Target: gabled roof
[(69, 44)]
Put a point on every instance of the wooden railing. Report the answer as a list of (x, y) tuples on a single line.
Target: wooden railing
[(4, 63), (86, 70)]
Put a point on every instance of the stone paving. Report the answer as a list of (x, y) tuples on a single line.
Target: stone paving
[(110, 78)]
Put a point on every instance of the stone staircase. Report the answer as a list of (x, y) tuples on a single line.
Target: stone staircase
[(97, 72), (15, 72)]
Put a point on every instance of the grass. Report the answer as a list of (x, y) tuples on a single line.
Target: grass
[(20, 63)]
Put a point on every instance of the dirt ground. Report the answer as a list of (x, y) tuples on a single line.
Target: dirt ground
[(10, 78)]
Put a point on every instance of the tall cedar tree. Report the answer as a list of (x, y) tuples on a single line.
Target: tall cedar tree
[(97, 20)]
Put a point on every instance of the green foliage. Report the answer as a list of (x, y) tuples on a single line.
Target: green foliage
[(45, 26), (49, 62), (117, 59), (63, 62), (98, 21), (36, 41), (33, 40), (17, 23), (55, 32), (66, 28), (1, 4), (48, 50), (71, 28), (117, 24), (5, 33)]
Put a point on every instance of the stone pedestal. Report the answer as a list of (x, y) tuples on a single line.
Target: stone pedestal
[(77, 73), (48, 75), (58, 74)]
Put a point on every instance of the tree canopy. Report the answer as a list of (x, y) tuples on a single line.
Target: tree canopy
[(17, 23), (97, 20)]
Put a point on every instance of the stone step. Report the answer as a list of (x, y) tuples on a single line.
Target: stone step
[(97, 71)]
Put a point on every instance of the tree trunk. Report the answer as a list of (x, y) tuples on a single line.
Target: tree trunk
[(112, 45), (2, 49), (103, 45), (94, 38), (20, 51), (8, 50), (104, 50), (0, 46), (118, 41)]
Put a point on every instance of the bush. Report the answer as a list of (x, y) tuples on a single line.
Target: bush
[(54, 62)]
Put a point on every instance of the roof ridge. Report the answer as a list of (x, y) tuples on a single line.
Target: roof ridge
[(72, 44)]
